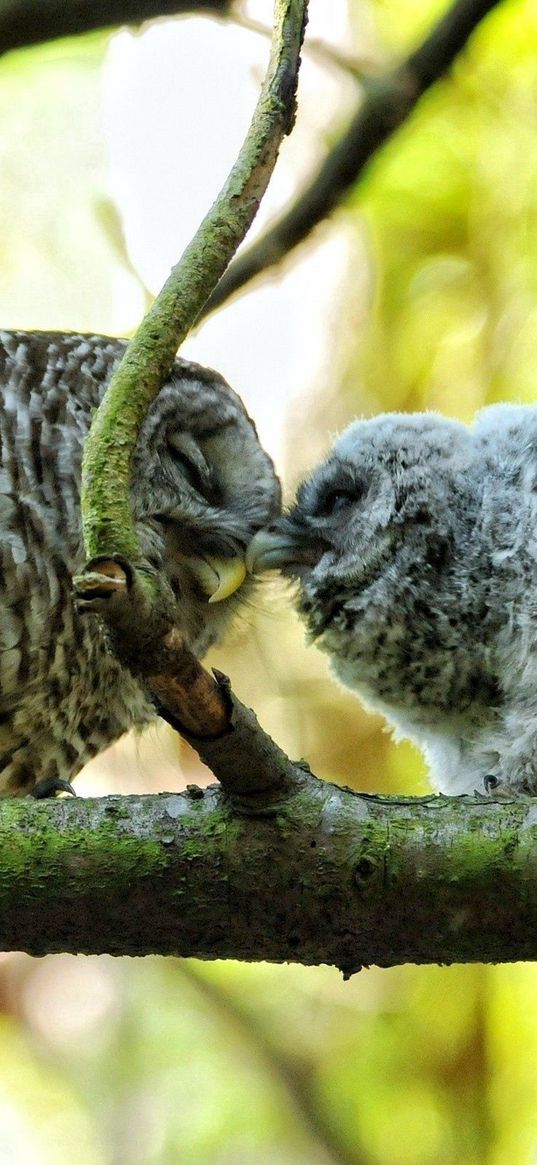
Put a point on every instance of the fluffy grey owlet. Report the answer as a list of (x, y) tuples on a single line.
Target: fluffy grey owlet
[(415, 547), (202, 486)]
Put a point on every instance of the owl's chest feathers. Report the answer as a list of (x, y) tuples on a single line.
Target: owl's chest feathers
[(407, 647), (64, 698)]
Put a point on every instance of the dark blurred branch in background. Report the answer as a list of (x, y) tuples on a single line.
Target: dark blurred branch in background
[(321, 876), (295, 1075), (28, 22), (387, 103), (326, 53)]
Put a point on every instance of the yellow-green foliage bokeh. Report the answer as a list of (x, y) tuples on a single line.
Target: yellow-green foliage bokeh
[(150, 1062)]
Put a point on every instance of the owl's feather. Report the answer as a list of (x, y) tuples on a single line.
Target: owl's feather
[(415, 547), (202, 486)]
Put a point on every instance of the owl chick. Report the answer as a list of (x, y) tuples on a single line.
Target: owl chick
[(202, 486), (415, 547)]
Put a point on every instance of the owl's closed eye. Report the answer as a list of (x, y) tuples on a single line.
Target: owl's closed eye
[(201, 488)]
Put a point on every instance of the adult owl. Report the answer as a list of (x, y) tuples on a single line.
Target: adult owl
[(415, 548), (201, 487)]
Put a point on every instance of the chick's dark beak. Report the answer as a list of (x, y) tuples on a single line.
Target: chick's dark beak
[(282, 547)]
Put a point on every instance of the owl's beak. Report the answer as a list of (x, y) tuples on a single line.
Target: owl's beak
[(218, 577)]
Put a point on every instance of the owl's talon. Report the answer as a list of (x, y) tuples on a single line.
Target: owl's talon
[(491, 783), (50, 786)]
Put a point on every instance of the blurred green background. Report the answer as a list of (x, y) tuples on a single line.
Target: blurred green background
[(431, 302)]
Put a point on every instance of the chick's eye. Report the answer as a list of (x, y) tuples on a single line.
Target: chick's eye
[(334, 501)]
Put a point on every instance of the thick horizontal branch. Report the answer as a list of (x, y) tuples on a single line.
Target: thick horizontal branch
[(387, 103), (28, 22), (326, 876)]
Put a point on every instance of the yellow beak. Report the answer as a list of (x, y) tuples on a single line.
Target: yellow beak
[(218, 577)]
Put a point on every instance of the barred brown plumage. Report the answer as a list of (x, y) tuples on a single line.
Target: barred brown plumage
[(202, 486)]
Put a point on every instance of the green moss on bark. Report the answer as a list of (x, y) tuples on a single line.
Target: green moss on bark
[(106, 471)]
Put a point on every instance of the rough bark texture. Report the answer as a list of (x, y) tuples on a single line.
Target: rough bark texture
[(106, 467), (325, 876), (136, 604)]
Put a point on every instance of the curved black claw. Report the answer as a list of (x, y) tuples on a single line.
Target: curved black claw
[(50, 786), (491, 783)]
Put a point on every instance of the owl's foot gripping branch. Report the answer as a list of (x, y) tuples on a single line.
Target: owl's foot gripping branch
[(250, 766), (274, 864), (139, 621)]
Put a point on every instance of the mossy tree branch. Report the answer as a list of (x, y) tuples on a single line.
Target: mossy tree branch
[(135, 602), (326, 876), (106, 511)]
